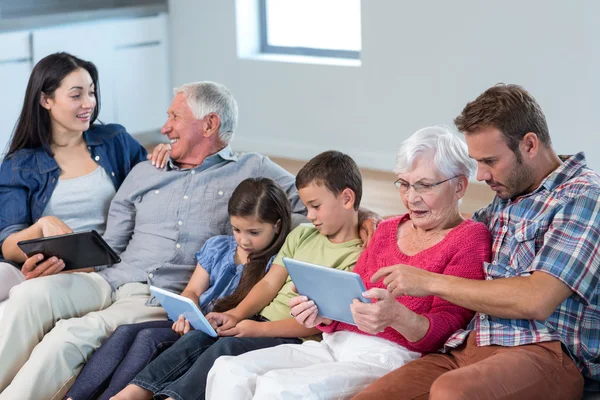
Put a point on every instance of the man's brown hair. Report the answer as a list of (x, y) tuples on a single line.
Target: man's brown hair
[(334, 170), (508, 108)]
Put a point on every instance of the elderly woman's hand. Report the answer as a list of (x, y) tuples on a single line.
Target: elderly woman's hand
[(159, 155), (373, 318), (404, 280), (306, 312)]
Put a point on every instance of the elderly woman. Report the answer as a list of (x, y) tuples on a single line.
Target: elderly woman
[(433, 168)]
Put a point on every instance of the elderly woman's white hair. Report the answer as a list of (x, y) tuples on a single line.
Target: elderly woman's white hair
[(211, 97), (451, 157)]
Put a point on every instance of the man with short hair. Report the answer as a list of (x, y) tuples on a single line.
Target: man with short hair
[(157, 221), (536, 333)]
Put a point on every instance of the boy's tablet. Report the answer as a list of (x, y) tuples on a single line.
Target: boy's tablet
[(332, 290), (77, 250), (177, 305)]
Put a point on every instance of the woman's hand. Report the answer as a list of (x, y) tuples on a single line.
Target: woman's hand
[(306, 312), (373, 318), (159, 155), (404, 280), (35, 268), (52, 226), (181, 326), (222, 321), (245, 328)]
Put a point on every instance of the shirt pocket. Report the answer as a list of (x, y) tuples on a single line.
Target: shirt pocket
[(219, 216), (524, 244), (154, 206)]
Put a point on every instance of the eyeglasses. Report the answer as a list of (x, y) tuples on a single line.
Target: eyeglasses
[(421, 188)]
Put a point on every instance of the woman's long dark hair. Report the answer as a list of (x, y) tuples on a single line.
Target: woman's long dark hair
[(34, 128), (264, 199)]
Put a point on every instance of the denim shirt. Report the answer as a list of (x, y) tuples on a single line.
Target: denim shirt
[(28, 177)]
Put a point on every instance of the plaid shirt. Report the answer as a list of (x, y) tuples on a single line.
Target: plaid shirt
[(555, 229)]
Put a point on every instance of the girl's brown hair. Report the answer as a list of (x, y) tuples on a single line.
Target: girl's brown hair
[(264, 199)]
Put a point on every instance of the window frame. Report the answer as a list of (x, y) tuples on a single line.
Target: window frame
[(266, 48)]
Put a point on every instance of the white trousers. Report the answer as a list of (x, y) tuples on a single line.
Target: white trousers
[(338, 367), (9, 276), (51, 326)]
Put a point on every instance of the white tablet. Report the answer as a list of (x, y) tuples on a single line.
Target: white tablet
[(177, 305), (331, 289)]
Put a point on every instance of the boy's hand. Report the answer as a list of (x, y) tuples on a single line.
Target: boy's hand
[(222, 321), (367, 221), (306, 312), (245, 328), (181, 326)]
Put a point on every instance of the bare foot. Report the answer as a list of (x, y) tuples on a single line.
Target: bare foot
[(133, 392)]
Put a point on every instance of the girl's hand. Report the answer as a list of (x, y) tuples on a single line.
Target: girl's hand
[(373, 318), (306, 312), (181, 326), (159, 155), (245, 328), (52, 226), (31, 269), (222, 321)]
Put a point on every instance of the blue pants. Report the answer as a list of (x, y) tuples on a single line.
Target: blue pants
[(181, 371), (125, 353)]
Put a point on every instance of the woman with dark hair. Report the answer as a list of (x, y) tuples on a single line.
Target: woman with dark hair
[(227, 268), (61, 169)]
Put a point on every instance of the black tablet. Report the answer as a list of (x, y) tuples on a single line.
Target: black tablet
[(77, 250)]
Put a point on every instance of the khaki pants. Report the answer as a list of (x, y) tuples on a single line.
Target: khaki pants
[(10, 276), (537, 371), (52, 325)]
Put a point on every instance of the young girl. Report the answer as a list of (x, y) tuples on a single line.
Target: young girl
[(228, 267)]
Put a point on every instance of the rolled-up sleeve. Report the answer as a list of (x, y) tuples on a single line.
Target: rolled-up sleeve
[(15, 212)]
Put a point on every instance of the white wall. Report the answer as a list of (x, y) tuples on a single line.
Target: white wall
[(421, 62)]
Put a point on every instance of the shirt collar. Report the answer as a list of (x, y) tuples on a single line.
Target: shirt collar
[(224, 154), (571, 165)]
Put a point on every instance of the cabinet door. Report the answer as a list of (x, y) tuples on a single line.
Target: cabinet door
[(90, 41), (15, 67), (142, 89)]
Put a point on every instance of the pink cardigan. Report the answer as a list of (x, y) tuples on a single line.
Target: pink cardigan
[(461, 253)]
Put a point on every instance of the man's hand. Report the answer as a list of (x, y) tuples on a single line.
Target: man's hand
[(245, 328), (373, 318), (159, 155), (52, 226), (181, 326), (404, 280), (222, 321), (368, 223), (31, 269), (306, 312)]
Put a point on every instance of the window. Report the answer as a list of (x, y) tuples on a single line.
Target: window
[(323, 28)]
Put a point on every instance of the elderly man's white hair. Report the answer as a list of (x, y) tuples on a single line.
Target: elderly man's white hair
[(451, 157), (211, 97)]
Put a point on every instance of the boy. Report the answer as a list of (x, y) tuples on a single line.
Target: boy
[(330, 186)]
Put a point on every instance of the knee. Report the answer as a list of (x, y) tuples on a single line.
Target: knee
[(32, 293), (450, 387)]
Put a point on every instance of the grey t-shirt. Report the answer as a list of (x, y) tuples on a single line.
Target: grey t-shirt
[(82, 203), (159, 219)]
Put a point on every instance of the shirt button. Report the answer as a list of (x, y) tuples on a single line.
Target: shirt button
[(482, 316), (220, 193), (180, 223), (45, 198), (150, 275), (185, 197), (97, 158), (89, 148), (495, 262), (504, 228), (178, 245), (489, 278), (519, 236), (193, 172), (53, 180), (112, 173), (156, 191)]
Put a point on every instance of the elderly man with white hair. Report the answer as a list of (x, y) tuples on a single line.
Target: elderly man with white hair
[(433, 168), (157, 221)]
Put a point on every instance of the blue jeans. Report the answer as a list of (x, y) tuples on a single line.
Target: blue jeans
[(181, 371), (125, 353)]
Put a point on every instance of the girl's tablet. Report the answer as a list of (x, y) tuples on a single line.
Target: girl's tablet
[(332, 290), (177, 305)]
